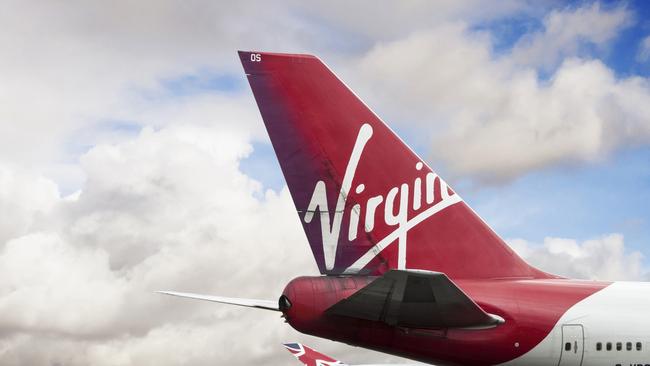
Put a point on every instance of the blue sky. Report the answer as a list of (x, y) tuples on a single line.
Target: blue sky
[(578, 202)]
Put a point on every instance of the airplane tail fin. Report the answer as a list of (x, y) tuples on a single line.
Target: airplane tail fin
[(310, 357), (366, 201)]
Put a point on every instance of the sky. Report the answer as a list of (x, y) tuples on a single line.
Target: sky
[(133, 157)]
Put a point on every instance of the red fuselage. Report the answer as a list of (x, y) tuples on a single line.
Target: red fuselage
[(530, 308)]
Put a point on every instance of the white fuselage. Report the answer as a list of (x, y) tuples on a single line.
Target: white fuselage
[(608, 328)]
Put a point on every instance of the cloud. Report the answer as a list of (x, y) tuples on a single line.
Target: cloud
[(70, 68), (388, 24), (165, 210), (83, 65), (567, 32), (23, 198), (168, 209), (49, 286), (603, 258), (494, 120), (87, 66), (643, 53)]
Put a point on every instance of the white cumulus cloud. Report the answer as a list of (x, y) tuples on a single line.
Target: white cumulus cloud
[(643, 53), (494, 120), (167, 210), (566, 31), (602, 258)]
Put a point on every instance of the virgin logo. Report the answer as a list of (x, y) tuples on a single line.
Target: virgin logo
[(420, 194)]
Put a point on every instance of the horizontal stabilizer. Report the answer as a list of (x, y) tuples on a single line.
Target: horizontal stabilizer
[(251, 303), (415, 299)]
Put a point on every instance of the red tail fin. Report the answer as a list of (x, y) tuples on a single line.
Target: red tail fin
[(367, 202)]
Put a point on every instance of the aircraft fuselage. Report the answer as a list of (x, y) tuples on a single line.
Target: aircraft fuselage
[(541, 318)]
